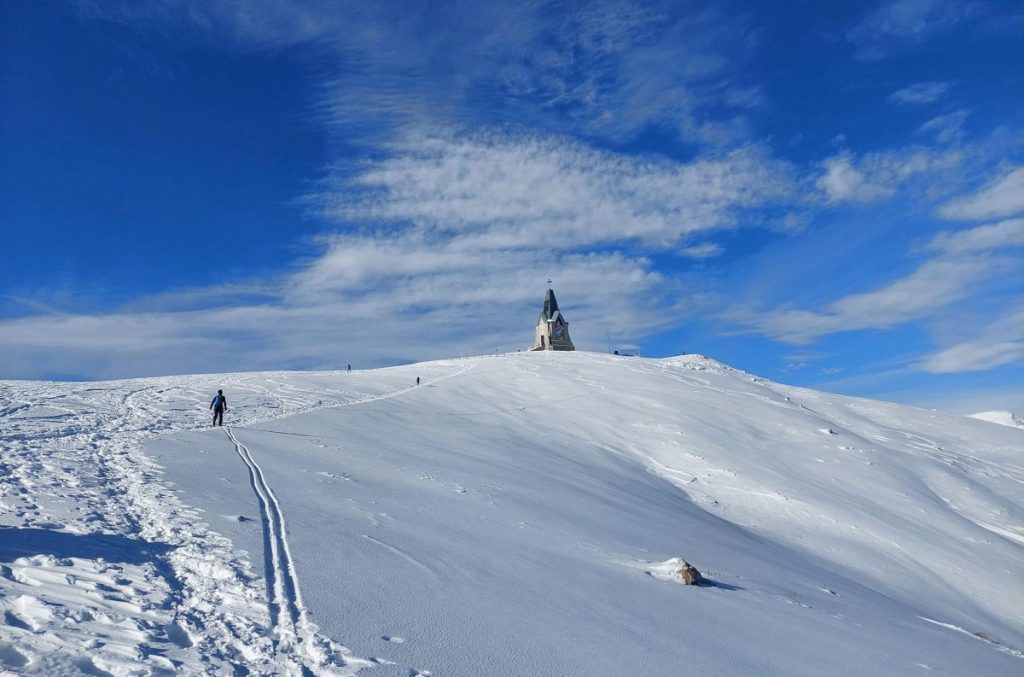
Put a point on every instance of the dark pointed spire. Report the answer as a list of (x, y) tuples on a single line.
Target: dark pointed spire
[(552, 329), (550, 305)]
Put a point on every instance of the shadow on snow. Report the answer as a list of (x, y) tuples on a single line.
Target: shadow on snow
[(26, 542)]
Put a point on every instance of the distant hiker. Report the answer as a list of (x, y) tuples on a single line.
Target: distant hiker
[(349, 368), (417, 380), (219, 406)]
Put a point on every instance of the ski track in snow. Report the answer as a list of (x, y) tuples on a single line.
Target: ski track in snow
[(110, 573), (287, 613), (290, 628)]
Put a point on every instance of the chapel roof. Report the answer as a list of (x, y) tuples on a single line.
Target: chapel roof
[(550, 306)]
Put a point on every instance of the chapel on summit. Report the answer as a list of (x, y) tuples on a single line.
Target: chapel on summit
[(552, 328)]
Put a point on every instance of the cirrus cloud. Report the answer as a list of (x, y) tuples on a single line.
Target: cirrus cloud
[(1002, 196), (920, 92), (896, 24), (876, 176), (504, 191), (961, 263)]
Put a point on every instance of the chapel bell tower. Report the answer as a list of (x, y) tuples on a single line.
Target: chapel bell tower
[(552, 329)]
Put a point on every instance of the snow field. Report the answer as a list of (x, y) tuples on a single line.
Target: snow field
[(512, 515), (75, 487), (510, 520)]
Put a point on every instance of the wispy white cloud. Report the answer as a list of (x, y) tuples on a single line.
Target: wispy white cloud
[(701, 251), (920, 92), (1005, 234), (962, 261), (975, 356), (843, 181), (491, 191), (1000, 343), (474, 306), (946, 128), (933, 285), (671, 74), (848, 177), (898, 23), (610, 67), (1002, 196)]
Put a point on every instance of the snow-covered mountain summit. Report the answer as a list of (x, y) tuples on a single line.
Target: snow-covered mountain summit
[(512, 515)]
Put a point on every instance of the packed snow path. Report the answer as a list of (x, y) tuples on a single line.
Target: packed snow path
[(515, 519)]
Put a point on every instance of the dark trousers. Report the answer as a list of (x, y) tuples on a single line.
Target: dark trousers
[(218, 416)]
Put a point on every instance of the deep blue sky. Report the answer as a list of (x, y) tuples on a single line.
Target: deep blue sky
[(134, 161), (828, 196)]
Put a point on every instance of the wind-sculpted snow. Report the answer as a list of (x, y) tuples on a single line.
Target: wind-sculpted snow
[(511, 516)]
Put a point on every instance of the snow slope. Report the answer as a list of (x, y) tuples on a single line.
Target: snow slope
[(512, 515), (1000, 417)]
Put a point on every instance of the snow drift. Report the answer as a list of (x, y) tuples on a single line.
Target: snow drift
[(1001, 417)]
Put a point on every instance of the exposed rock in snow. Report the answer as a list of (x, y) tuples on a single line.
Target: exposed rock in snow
[(677, 570)]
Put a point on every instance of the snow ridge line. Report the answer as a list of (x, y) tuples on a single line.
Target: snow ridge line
[(401, 391), (348, 403), (291, 624)]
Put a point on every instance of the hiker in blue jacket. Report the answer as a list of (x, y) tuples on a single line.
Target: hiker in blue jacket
[(219, 406)]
